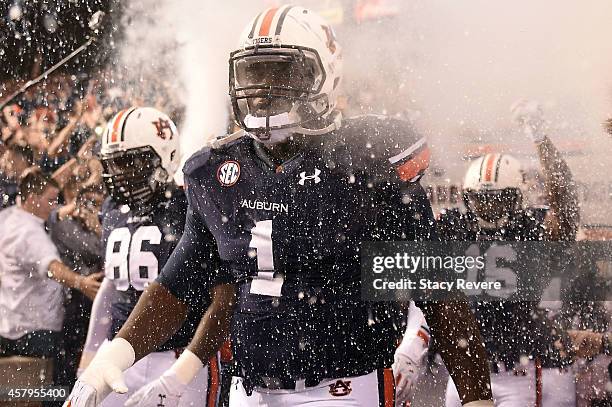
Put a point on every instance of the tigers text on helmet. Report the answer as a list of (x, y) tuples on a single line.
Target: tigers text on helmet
[(492, 188), (285, 76), (140, 154)]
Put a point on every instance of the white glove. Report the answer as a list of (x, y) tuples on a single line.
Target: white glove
[(166, 390), (479, 403), (406, 372), (530, 117), (409, 354), (103, 375), (169, 388)]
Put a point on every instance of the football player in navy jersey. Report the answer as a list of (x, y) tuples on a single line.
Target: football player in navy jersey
[(289, 199), (529, 354), (142, 222)]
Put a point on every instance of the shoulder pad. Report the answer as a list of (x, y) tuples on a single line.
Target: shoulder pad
[(177, 196), (203, 156), (197, 160), (390, 144), (175, 206), (107, 206)]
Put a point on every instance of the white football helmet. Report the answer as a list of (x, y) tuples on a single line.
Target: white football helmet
[(285, 75), (140, 154), (492, 187)]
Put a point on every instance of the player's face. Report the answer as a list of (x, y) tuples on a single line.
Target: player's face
[(493, 205), (130, 174), (278, 84)]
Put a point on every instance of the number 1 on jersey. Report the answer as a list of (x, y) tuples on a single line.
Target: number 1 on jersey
[(261, 240)]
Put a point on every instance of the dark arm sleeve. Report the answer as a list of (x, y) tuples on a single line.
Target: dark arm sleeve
[(194, 266), (420, 213)]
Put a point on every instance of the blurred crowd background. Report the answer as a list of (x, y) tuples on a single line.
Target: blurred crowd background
[(55, 128)]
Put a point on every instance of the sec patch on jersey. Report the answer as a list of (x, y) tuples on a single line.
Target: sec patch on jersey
[(228, 173)]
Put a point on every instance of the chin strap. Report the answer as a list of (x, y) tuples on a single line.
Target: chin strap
[(334, 125)]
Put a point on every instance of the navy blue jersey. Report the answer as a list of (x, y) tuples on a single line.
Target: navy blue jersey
[(137, 246), (510, 329), (290, 237)]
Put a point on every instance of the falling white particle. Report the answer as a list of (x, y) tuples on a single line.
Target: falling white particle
[(15, 12)]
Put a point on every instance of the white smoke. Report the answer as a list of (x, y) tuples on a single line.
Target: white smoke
[(460, 64), (187, 45), (208, 31), (476, 57)]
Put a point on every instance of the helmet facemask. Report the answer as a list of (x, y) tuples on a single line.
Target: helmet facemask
[(134, 177), (493, 207), (275, 91)]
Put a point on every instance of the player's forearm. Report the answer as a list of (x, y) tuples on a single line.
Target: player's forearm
[(560, 190), (155, 318), (213, 329), (212, 332), (460, 344)]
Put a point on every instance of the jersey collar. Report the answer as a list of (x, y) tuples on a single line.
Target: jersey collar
[(269, 163)]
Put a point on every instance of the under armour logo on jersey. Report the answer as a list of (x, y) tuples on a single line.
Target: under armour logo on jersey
[(161, 400), (315, 177), (340, 388)]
